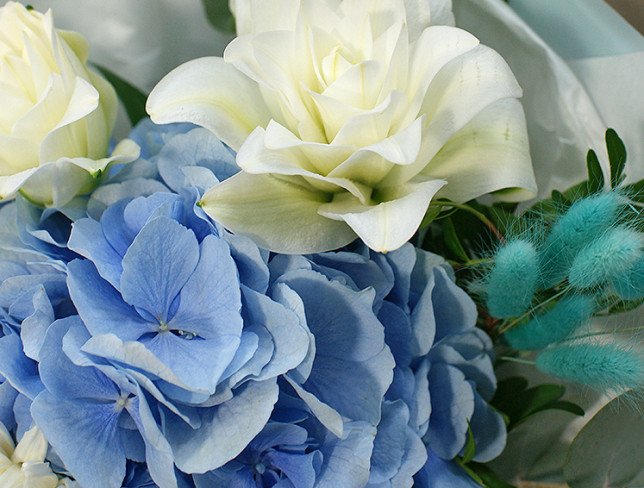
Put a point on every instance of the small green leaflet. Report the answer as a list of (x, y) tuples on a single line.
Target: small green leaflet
[(133, 99), (595, 175), (486, 477), (469, 451), (518, 402), (616, 157), (452, 241), (219, 15)]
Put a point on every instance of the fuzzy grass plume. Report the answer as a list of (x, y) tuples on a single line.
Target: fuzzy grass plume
[(611, 255), (603, 367), (558, 323), (513, 279), (585, 221)]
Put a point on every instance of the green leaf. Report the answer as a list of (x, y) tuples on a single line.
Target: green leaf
[(616, 157), (566, 406), (469, 451), (595, 175), (452, 241), (560, 199), (219, 15), (625, 306), (432, 213), (635, 191), (609, 450), (488, 477), (518, 402), (133, 99)]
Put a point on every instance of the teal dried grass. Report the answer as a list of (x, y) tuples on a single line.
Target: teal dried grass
[(554, 325), (585, 221), (611, 255), (512, 282), (630, 285), (603, 367)]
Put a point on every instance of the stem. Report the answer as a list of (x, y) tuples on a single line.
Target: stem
[(605, 332), (504, 328), (516, 360), (461, 206)]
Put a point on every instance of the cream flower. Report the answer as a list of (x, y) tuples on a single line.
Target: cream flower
[(348, 118), (24, 466), (56, 115)]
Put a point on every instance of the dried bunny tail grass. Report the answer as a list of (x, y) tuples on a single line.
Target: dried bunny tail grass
[(604, 367), (563, 319), (582, 223), (513, 279), (630, 284), (613, 254)]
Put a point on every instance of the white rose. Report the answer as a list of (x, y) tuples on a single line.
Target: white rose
[(56, 115), (348, 118)]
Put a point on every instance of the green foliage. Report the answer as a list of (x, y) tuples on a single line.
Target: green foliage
[(595, 175), (452, 241), (486, 477), (609, 450), (518, 402), (469, 451), (133, 99), (219, 15), (616, 157)]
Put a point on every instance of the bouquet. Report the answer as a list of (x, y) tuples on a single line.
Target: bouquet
[(306, 264)]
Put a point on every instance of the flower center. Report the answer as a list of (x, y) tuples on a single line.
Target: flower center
[(122, 402)]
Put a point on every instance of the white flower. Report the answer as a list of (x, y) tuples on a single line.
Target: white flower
[(24, 466), (56, 115), (348, 118)]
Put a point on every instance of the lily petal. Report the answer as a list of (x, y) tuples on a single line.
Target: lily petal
[(388, 225), (279, 215), (489, 154), (213, 94)]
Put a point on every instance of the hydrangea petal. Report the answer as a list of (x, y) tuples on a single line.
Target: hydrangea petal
[(157, 265), (75, 428), (237, 421)]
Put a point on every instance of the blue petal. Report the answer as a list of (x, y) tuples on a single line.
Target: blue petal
[(157, 265), (65, 379), (453, 308), (198, 363), (101, 307), (197, 149), (452, 400), (442, 474), (19, 370), (349, 341), (8, 397), (347, 461), (158, 453), (236, 421), (87, 239), (489, 431), (211, 299), (251, 262), (77, 428)]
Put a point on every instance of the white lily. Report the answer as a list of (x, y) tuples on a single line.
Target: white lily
[(24, 466), (349, 117)]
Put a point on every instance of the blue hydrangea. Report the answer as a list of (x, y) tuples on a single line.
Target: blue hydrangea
[(295, 450), (134, 328), (33, 293), (443, 376)]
